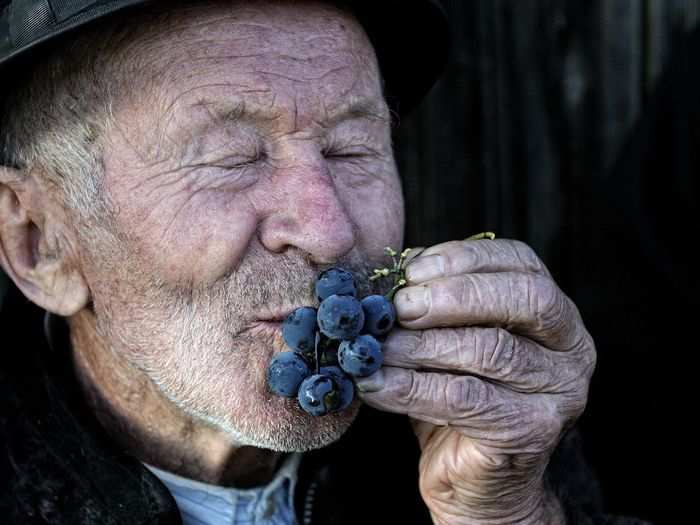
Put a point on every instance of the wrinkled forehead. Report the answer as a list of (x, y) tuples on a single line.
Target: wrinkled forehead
[(307, 58)]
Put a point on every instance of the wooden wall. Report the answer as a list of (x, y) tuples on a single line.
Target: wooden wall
[(524, 136), (536, 101)]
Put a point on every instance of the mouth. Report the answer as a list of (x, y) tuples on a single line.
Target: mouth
[(275, 315), (277, 325), (268, 322)]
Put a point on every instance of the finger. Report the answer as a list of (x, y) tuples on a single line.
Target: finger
[(525, 303), (478, 408), (515, 362), (414, 253), (483, 256)]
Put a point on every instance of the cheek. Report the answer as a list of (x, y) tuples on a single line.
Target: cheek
[(216, 241), (196, 239), (378, 211)]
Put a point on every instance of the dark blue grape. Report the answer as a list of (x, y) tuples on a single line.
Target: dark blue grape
[(380, 315), (361, 357), (341, 317), (335, 281), (286, 372), (346, 388), (299, 330), (318, 395)]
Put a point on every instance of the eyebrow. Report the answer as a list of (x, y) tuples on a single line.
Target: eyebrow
[(360, 108), (223, 113)]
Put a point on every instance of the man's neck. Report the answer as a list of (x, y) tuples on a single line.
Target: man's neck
[(148, 426)]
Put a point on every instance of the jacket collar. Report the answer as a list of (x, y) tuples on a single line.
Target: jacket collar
[(58, 465)]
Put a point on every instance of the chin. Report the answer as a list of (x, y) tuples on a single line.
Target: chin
[(312, 437), (279, 424), (265, 420), (224, 386), (258, 419)]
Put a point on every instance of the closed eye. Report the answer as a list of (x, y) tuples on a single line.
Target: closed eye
[(235, 163), (351, 153)]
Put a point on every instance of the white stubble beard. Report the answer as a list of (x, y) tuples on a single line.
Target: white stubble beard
[(197, 346)]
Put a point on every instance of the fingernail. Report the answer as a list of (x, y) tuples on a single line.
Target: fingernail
[(425, 268), (373, 383), (412, 302)]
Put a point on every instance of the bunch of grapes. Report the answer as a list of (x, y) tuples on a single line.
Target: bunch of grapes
[(331, 345)]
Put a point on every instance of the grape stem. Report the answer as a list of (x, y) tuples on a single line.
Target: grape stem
[(482, 235), (316, 351), (399, 268)]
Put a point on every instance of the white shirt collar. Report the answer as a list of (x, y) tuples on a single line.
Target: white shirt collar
[(204, 504)]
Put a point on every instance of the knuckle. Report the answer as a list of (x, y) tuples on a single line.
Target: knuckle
[(452, 298), (464, 395), (574, 405), (470, 251), (451, 347), (571, 404), (590, 357), (549, 423), (418, 388), (580, 407), (583, 358), (527, 256), (522, 248), (496, 352), (487, 464), (546, 302), (409, 387), (452, 252), (428, 348), (442, 248)]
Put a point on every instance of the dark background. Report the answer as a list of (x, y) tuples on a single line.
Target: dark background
[(573, 126)]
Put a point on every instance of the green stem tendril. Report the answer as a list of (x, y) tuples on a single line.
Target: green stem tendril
[(398, 270), (482, 235), (390, 296), (391, 253)]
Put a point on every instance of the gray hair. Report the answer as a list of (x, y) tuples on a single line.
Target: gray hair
[(53, 118), (55, 115)]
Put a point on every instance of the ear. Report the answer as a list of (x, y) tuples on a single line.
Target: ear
[(35, 250)]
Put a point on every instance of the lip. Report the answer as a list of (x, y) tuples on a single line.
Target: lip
[(270, 324), (275, 320), (270, 329), (277, 315)]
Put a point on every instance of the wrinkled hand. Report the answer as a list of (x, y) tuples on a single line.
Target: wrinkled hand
[(493, 367)]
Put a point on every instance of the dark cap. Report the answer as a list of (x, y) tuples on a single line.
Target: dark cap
[(410, 37)]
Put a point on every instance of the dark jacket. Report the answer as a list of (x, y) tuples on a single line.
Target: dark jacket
[(58, 466)]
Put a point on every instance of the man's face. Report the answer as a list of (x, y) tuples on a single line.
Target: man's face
[(253, 152)]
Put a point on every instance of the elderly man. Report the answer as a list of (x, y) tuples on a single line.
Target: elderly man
[(175, 177)]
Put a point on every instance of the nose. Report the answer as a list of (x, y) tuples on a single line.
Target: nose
[(307, 212)]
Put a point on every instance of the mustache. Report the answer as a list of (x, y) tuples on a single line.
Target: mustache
[(267, 281)]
